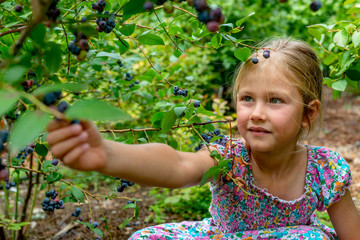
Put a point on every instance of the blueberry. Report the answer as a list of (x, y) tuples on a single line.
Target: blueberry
[(95, 6), (83, 19), (29, 150), (49, 99), (315, 5), (4, 135), (55, 162), (12, 184), (78, 210), (18, 8), (217, 132), (176, 88), (266, 54), (95, 224), (148, 6), (7, 186), (204, 136), (197, 103), (204, 16), (255, 60), (63, 106)]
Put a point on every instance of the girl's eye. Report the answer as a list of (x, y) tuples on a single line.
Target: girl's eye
[(247, 99), (275, 100)]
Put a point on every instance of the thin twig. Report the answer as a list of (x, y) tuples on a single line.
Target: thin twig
[(167, 33), (11, 31)]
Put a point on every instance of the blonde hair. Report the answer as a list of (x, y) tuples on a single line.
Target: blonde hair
[(298, 62)]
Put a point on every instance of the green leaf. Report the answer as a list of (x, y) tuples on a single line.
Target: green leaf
[(72, 87), (339, 85), (179, 110), (212, 172), (96, 110), (98, 232), (131, 205), (52, 58), (348, 2), (330, 59), (157, 117), (315, 33), (127, 29), (356, 38), (239, 22), (168, 121), (341, 38), (7, 100), (41, 149), (353, 10), (68, 199), (43, 186), (27, 128), (38, 34), (242, 54), (77, 193), (53, 177), (216, 40), (123, 46), (46, 164), (111, 55), (133, 7), (15, 74), (150, 39)]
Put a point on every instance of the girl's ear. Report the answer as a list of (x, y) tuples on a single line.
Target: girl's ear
[(311, 112)]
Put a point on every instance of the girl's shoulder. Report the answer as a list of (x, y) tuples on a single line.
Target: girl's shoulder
[(326, 158), (329, 175)]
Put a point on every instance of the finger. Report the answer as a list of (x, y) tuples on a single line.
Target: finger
[(75, 154), (62, 148), (63, 133), (56, 124)]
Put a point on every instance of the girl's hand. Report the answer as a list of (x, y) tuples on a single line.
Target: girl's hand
[(79, 146)]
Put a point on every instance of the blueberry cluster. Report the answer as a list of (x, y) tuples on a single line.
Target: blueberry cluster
[(266, 54), (120, 63), (4, 134), (315, 5), (79, 46), (99, 6), (9, 184), (124, 184), (207, 138), (211, 17), (107, 23), (178, 91), (133, 84), (50, 202), (52, 97), (94, 224), (53, 13), (197, 103), (77, 212), (128, 77), (24, 153)]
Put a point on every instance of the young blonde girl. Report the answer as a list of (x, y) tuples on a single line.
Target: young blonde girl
[(278, 100)]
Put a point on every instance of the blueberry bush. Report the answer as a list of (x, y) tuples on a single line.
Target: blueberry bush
[(144, 71)]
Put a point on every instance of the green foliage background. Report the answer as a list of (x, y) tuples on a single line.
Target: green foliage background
[(160, 51)]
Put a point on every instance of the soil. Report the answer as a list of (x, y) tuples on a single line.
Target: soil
[(340, 131)]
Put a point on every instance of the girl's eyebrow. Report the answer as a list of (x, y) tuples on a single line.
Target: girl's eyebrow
[(268, 93)]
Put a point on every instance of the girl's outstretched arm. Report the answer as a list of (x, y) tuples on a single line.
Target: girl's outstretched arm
[(80, 146), (345, 218)]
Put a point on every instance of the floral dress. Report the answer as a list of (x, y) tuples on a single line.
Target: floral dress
[(236, 214)]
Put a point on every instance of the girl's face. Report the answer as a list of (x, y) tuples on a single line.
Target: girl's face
[(269, 111)]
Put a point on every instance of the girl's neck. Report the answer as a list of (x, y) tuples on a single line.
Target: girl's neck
[(279, 163)]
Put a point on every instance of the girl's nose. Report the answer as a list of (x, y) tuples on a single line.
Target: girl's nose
[(258, 113)]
